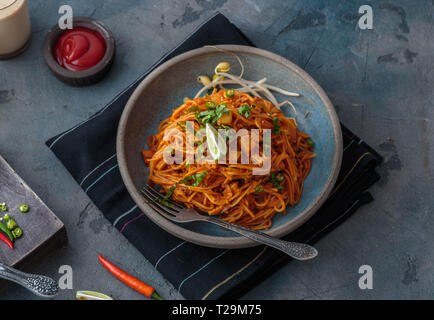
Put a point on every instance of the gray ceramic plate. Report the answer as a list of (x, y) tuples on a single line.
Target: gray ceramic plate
[(164, 89)]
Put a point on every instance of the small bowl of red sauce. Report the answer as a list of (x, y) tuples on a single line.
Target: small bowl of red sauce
[(82, 55)]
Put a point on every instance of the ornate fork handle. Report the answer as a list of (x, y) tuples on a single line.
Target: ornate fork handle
[(40, 285), (299, 251)]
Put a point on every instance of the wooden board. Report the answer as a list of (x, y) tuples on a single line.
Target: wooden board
[(42, 230)]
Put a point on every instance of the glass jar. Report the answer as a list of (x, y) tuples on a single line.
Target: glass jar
[(14, 27)]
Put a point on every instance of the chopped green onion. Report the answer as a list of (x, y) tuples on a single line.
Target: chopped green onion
[(280, 177), (196, 178), (276, 126), (222, 126), (310, 142), (277, 177), (259, 188), (169, 192), (244, 109), (211, 116), (180, 125), (164, 202), (199, 178)]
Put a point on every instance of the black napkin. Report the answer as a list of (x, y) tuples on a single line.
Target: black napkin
[(88, 152)]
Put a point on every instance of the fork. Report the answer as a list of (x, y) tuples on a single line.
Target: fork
[(177, 213)]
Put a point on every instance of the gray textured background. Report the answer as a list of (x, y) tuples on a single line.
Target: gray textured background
[(381, 82)]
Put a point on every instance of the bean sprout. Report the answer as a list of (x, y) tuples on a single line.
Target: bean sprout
[(221, 77)]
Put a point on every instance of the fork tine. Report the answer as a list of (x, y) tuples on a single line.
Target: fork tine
[(157, 194), (151, 200)]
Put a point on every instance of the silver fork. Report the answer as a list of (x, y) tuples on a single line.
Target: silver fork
[(177, 213)]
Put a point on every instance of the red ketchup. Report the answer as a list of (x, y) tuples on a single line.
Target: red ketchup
[(79, 49)]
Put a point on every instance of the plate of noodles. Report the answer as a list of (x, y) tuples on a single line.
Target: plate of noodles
[(232, 131)]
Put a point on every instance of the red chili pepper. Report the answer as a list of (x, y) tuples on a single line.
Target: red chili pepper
[(129, 280), (6, 240)]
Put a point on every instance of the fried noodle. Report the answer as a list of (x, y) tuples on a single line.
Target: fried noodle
[(231, 190)]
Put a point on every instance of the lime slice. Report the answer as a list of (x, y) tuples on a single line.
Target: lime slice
[(91, 295), (216, 144)]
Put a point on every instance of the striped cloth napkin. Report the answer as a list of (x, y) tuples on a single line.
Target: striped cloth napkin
[(88, 151)]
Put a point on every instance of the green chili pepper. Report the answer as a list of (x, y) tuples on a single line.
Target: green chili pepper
[(210, 105), (229, 93), (3, 207), (24, 207), (11, 224), (17, 232), (7, 231)]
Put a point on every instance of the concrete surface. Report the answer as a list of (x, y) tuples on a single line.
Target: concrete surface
[(380, 80)]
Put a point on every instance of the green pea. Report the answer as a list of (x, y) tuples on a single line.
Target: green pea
[(229, 93), (24, 207)]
